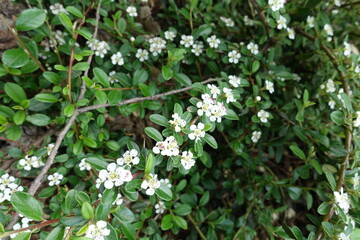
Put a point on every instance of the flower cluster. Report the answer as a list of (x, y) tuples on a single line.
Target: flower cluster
[(211, 108), (276, 5), (8, 185), (100, 48), (113, 175), (177, 122), (31, 162), (157, 44), (228, 21), (24, 222), (342, 200), (169, 147), (129, 157), (97, 231), (150, 184), (57, 8), (255, 136)]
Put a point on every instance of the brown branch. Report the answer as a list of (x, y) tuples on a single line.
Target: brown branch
[(36, 226), (348, 130)]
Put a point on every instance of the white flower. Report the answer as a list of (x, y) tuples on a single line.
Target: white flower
[(356, 122), (169, 147), (114, 176), (214, 90), (84, 165), (100, 48), (170, 35), (258, 98), (5, 181), (255, 136), (337, 3), (357, 69), (157, 44), (347, 49), (310, 20), (291, 33), (129, 157), (112, 77), (356, 180), (131, 10), (187, 40), (281, 23), (117, 59), (217, 111), (160, 207), (330, 86), (328, 29), (177, 122), (150, 183), (248, 21), (119, 200), (228, 21), (331, 104), (228, 95), (49, 148), (269, 86), (60, 38), (166, 182), (253, 48), (142, 55), (213, 41), (57, 8), (342, 200), (197, 48), (197, 131), (97, 231), (26, 162), (263, 115), (276, 5), (204, 107), (234, 80), (55, 179), (187, 159), (343, 236), (234, 56), (8, 187)]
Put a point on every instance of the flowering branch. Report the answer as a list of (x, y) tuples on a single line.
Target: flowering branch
[(348, 129)]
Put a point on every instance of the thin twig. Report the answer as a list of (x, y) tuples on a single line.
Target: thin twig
[(196, 227), (36, 226)]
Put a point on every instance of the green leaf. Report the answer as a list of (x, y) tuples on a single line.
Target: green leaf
[(324, 208), (114, 97), (13, 133), (56, 234), (204, 199), (15, 92), (101, 97), (27, 205), (101, 77), (159, 119), (166, 222), (69, 110), (87, 210), (183, 210), (19, 117), (182, 79), (23, 236), (211, 141), (140, 76), (74, 11), (298, 152), (297, 233), (231, 115), (180, 222), (66, 21), (255, 66), (81, 66), (167, 72), (328, 228), (128, 230), (15, 58), (89, 142), (294, 193), (47, 192), (150, 160), (164, 192), (199, 149), (337, 117), (38, 119), (70, 201), (30, 19), (331, 179), (51, 77), (121, 25), (124, 215), (154, 134), (46, 97)]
